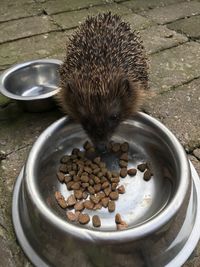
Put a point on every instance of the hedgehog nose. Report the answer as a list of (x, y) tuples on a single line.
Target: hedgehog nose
[(101, 147)]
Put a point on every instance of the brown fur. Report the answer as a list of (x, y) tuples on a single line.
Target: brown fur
[(104, 72)]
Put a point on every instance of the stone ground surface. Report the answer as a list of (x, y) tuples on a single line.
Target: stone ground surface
[(32, 29)]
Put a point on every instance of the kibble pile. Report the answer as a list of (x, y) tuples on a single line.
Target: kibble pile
[(93, 185)]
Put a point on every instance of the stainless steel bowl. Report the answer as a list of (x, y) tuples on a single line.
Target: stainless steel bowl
[(32, 84), (155, 211)]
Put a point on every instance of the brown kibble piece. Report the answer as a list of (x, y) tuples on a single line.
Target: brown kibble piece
[(78, 194), (88, 204), (97, 160), (85, 185), (118, 218), (95, 199), (61, 200), (124, 157), (63, 168), (71, 216), (85, 195), (104, 202), (115, 180), (71, 200), (84, 178), (147, 175), (123, 172), (95, 171), (76, 178), (122, 226), (108, 175), (83, 218), (132, 172), (87, 169), (96, 221), (121, 189), (75, 186), (107, 190), (142, 167), (123, 164), (125, 147), (61, 176), (115, 174), (104, 185), (97, 206), (68, 179), (96, 180), (97, 187), (115, 147), (91, 190), (91, 182), (114, 186), (69, 185), (111, 206), (65, 159), (114, 195), (101, 195), (79, 206), (103, 180)]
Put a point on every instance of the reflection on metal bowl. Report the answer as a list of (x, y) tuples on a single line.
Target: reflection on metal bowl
[(32, 84)]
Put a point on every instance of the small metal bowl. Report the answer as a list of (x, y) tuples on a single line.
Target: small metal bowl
[(162, 213), (32, 84)]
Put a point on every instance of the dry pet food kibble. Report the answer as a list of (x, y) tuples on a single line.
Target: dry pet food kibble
[(94, 186), (111, 206), (142, 167), (132, 172), (71, 216), (61, 200), (123, 172), (121, 189), (83, 218), (96, 221), (147, 175)]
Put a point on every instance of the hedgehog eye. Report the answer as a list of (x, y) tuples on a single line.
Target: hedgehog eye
[(114, 117)]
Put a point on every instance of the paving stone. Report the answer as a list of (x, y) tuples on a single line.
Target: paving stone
[(179, 111), (137, 22), (139, 5), (189, 26), (13, 120), (157, 38), (6, 255), (35, 47), (73, 19), (170, 13), (3, 100), (175, 66), (196, 164), (196, 152), (25, 27), (18, 9), (52, 7)]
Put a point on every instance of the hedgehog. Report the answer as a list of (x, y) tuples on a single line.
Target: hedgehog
[(104, 76)]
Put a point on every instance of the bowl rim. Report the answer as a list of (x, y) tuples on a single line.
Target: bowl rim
[(96, 235), (16, 67)]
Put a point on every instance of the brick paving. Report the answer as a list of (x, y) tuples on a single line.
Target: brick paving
[(32, 29)]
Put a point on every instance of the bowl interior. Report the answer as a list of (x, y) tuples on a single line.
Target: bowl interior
[(33, 80), (143, 200)]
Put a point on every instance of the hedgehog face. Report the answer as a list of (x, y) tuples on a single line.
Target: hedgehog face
[(101, 111)]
